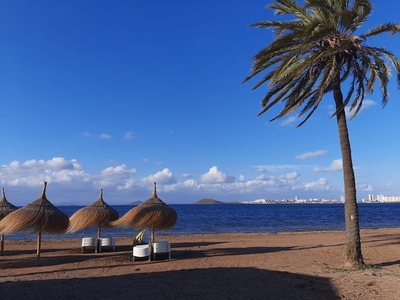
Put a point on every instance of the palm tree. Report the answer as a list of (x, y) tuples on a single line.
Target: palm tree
[(313, 54)]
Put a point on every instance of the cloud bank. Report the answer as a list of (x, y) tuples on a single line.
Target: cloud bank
[(68, 181)]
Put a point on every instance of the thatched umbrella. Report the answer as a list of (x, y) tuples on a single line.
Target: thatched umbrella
[(5, 208), (39, 216), (98, 214), (152, 213)]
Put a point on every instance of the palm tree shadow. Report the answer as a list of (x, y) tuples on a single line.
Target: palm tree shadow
[(194, 244), (32, 251), (389, 263), (191, 254), (30, 261)]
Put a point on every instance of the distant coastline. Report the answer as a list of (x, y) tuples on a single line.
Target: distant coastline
[(289, 201)]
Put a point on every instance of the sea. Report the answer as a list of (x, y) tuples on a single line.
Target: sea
[(246, 218)]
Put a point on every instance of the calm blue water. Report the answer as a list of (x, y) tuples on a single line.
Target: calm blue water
[(250, 218)]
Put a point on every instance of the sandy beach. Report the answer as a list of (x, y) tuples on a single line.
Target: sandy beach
[(225, 266)]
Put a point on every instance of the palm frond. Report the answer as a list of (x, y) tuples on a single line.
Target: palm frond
[(316, 51), (392, 28), (290, 7), (361, 10)]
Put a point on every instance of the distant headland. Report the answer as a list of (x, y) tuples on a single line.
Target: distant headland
[(213, 201), (209, 201), (135, 203)]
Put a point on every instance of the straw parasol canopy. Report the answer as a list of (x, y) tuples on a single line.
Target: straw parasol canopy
[(98, 214), (39, 216), (5, 208), (152, 213)]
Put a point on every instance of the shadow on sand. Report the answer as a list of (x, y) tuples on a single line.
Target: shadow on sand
[(211, 283), (132, 282)]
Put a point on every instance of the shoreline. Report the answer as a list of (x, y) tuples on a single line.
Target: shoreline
[(45, 238), (296, 265)]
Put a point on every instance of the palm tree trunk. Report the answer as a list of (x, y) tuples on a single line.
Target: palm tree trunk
[(353, 255)]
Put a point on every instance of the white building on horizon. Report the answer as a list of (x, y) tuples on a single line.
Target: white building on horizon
[(383, 198)]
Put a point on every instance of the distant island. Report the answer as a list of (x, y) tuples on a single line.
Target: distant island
[(209, 201)]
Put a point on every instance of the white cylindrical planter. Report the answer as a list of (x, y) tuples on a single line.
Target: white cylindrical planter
[(141, 251), (160, 247)]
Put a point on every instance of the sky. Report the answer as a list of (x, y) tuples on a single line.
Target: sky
[(116, 95)]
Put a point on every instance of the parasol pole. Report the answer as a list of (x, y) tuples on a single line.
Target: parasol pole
[(39, 244), (2, 244), (152, 241), (99, 229), (98, 240)]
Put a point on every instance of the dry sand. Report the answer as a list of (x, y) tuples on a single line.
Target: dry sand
[(225, 266)]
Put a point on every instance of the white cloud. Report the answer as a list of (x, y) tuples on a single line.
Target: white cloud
[(85, 133), (312, 154), (292, 176), (118, 170), (364, 187), (391, 183), (274, 168), (145, 159), (113, 177), (54, 163), (262, 177), (334, 167), (288, 121), (320, 184), (158, 163), (285, 180), (186, 175), (366, 104), (316, 189), (216, 176), (105, 136), (33, 172), (128, 135), (164, 177)]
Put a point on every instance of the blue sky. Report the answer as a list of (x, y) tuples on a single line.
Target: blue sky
[(117, 96)]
